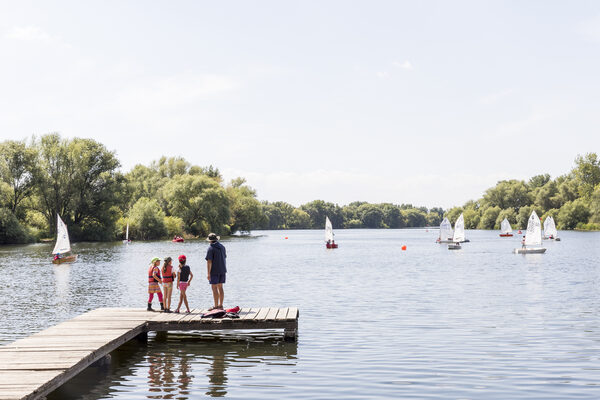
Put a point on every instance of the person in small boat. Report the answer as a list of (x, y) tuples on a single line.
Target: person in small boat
[(153, 283), (216, 269), (184, 279), (167, 280), (57, 256), (523, 242)]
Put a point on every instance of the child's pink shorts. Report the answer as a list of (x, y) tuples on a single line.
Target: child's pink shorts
[(183, 286)]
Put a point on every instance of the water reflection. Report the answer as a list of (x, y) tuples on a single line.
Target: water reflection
[(182, 366)]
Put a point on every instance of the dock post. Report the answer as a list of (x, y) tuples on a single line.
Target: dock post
[(290, 333), (142, 337)]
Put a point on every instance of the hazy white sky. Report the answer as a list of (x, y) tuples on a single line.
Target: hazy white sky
[(423, 102)]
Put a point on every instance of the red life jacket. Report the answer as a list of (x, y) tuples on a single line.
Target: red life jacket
[(151, 274), (168, 276)]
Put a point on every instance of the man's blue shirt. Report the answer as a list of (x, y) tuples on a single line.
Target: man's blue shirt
[(216, 253)]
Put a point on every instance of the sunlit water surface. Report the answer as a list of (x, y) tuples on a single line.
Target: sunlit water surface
[(375, 321)]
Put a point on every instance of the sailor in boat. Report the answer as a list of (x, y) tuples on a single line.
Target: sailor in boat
[(523, 242), (57, 256)]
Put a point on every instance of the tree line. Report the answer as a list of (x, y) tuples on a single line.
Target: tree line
[(81, 180), (573, 200)]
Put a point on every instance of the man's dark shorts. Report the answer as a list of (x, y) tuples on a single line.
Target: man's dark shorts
[(214, 279)]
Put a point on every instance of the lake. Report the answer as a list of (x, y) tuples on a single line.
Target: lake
[(375, 321)]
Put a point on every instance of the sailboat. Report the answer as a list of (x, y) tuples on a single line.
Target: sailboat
[(63, 245), (550, 231), (127, 235), (459, 234), (446, 232), (533, 237), (329, 241), (505, 228)]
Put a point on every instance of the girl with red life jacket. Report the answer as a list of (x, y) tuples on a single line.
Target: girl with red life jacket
[(167, 278), (153, 280), (184, 278)]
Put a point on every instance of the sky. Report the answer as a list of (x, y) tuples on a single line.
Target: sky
[(428, 103)]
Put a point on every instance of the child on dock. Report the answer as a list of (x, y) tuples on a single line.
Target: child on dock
[(184, 278), (153, 286), (167, 279)]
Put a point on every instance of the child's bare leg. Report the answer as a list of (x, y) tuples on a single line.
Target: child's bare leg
[(186, 302)]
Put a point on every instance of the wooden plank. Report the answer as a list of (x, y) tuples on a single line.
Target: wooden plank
[(292, 313), (262, 313), (282, 314), (251, 313), (272, 314)]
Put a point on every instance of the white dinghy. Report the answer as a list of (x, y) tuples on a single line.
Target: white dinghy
[(533, 237), (459, 234), (63, 244), (505, 228), (550, 231), (446, 232)]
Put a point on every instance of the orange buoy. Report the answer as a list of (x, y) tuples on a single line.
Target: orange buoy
[(404, 247), (286, 237)]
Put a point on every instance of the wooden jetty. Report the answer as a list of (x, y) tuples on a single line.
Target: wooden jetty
[(32, 367)]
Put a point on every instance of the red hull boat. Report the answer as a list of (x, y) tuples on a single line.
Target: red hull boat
[(506, 234)]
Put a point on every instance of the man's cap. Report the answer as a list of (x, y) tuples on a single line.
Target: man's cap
[(155, 259), (182, 258)]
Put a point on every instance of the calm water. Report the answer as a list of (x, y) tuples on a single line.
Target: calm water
[(375, 321)]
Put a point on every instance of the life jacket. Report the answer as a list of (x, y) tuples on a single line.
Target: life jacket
[(151, 274), (168, 276)]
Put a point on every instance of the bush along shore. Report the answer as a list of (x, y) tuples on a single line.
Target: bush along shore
[(81, 180)]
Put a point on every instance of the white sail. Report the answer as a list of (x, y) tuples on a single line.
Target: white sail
[(505, 226), (62, 238), (550, 228), (328, 230), (127, 232), (533, 236), (459, 229), (446, 231)]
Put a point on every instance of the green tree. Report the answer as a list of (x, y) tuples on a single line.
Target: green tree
[(414, 217), (16, 169), (509, 214), (573, 213), (371, 216), (489, 217), (199, 201), (299, 219), (11, 231), (77, 179), (392, 217), (319, 209), (595, 206), (173, 226), (147, 220), (587, 173)]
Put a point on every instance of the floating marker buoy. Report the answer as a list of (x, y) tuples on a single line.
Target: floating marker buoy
[(404, 247), (286, 237)]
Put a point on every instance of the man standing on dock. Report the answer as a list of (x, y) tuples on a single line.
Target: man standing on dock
[(215, 265)]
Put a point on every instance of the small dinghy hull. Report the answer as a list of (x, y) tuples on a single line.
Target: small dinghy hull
[(506, 234), (63, 260), (538, 250), (454, 247)]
